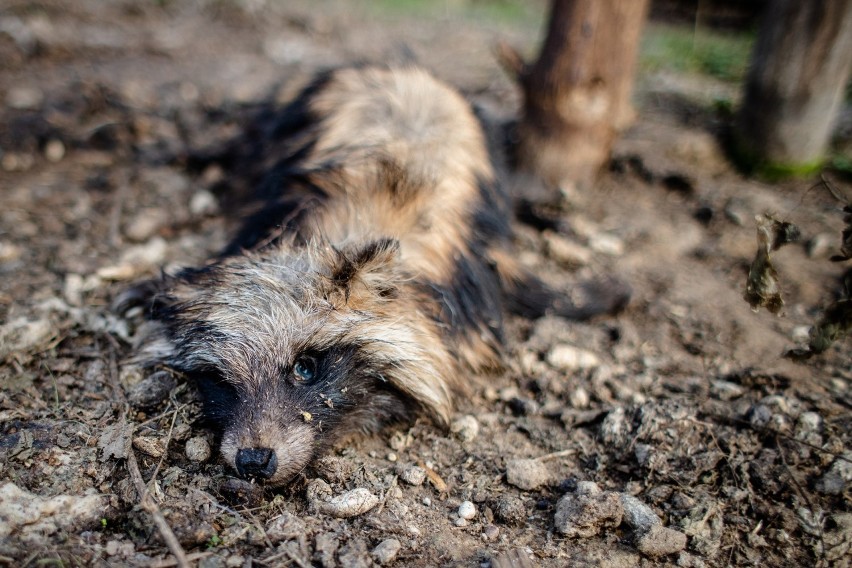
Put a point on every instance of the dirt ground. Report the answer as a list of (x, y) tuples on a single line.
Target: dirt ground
[(680, 411)]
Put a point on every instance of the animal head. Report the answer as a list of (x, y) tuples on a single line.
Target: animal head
[(294, 346)]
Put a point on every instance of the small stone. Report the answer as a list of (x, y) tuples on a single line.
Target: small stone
[(112, 547), (152, 390), (54, 150), (235, 560), (569, 358), (427, 501), (467, 510), (527, 474), (73, 289), (203, 203), (490, 533), (661, 541), (605, 243), (465, 427), (587, 488), (413, 475), (821, 245), (584, 516), (24, 98), (198, 449), (615, 427), (144, 225), (510, 510), (566, 252), (386, 551), (637, 515), (801, 334), (9, 252), (759, 415), (349, 504), (579, 398), (726, 390), (392, 457), (461, 522), (809, 423), (286, 526)]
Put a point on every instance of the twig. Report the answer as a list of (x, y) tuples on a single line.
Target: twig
[(146, 500), (554, 455), (172, 562), (150, 505)]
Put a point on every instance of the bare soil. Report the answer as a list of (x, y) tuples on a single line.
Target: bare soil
[(109, 114)]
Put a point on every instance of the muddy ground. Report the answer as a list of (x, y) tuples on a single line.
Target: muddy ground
[(680, 411)]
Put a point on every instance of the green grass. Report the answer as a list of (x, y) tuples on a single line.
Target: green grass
[(500, 11), (680, 49)]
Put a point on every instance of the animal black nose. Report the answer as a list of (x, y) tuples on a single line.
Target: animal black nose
[(256, 463)]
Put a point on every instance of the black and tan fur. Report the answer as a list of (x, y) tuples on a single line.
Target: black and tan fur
[(385, 274)]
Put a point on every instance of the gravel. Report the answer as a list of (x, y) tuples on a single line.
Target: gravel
[(527, 474), (386, 551)]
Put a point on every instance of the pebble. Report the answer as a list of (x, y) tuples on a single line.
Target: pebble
[(579, 398), (605, 243), (584, 515), (821, 245), (588, 488), (54, 150), (286, 526), (809, 423), (759, 415), (152, 390), (461, 522), (467, 510), (566, 252), (527, 474), (570, 358), (24, 98), (490, 533), (465, 427), (392, 457), (726, 390), (198, 449), (661, 541), (144, 225), (10, 252), (510, 510), (637, 515), (615, 427), (349, 504), (203, 203), (386, 551), (413, 475)]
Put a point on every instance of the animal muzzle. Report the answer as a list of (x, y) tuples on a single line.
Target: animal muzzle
[(256, 463)]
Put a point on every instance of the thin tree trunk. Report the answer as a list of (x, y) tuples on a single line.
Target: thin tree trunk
[(577, 94), (800, 67)]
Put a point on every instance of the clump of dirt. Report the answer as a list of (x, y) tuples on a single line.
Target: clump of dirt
[(672, 434)]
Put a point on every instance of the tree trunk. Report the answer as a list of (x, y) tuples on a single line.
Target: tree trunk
[(577, 94), (800, 67)]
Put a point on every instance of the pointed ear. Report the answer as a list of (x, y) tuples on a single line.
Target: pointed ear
[(371, 264)]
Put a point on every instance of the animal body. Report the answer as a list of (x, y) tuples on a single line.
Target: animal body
[(379, 292)]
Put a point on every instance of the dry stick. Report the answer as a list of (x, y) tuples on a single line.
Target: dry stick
[(171, 562), (147, 501), (150, 505)]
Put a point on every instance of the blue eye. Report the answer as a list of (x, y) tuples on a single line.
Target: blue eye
[(305, 368)]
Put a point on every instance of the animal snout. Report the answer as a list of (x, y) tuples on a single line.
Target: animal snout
[(256, 463)]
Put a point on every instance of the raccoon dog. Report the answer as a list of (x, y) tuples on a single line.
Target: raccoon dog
[(379, 293)]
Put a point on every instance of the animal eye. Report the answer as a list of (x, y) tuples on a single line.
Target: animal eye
[(305, 368)]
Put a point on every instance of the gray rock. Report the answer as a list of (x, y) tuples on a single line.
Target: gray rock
[(386, 551), (661, 541), (637, 515), (583, 516), (413, 475), (527, 474), (198, 449)]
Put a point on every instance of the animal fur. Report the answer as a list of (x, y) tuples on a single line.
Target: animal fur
[(379, 292)]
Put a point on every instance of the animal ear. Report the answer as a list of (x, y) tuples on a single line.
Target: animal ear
[(371, 263)]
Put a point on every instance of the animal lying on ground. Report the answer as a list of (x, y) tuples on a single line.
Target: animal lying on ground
[(378, 293)]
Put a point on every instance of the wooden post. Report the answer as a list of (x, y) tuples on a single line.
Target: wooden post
[(577, 94), (800, 67)]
